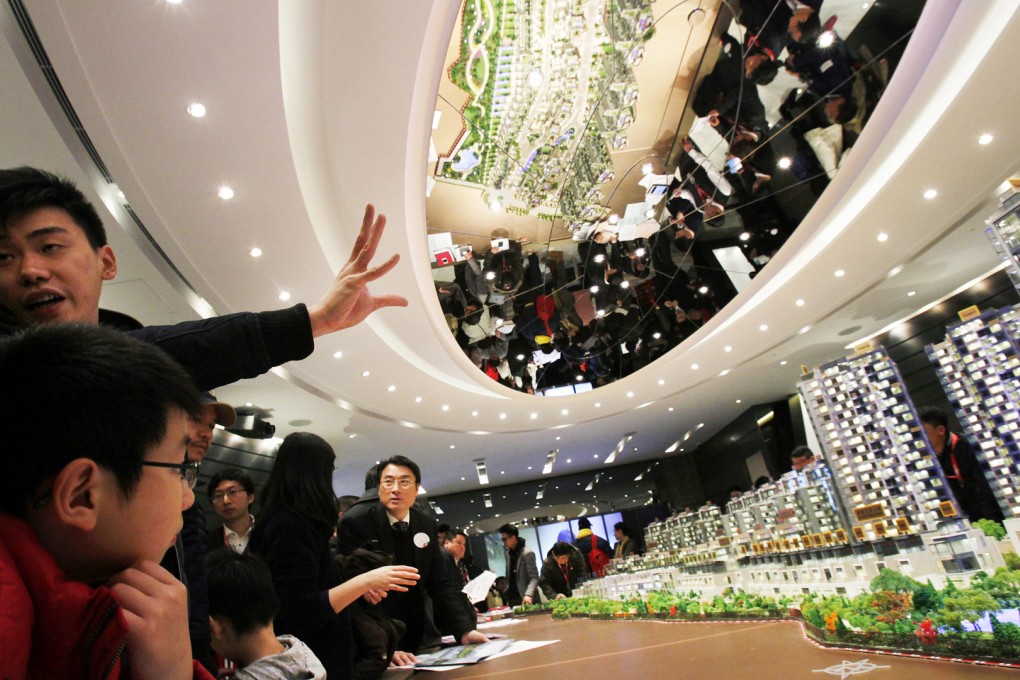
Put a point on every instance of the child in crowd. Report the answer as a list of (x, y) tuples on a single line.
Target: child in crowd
[(242, 605), (95, 430)]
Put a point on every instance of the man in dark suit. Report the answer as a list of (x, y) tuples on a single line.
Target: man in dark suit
[(394, 526)]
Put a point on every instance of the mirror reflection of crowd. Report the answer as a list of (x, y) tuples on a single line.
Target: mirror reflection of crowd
[(533, 320)]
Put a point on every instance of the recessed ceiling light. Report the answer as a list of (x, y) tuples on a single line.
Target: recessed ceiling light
[(727, 348), (882, 237), (630, 395), (695, 367), (839, 273), (365, 374), (930, 194), (284, 295), (463, 479), (351, 436), (534, 416), (196, 110), (453, 446), (661, 381), (446, 407), (337, 355), (912, 293), (739, 400), (568, 461), (474, 413), (255, 252), (799, 302), (596, 456), (985, 139), (784, 163), (173, 2), (895, 270), (724, 372), (502, 416), (598, 404), (225, 192), (557, 438), (417, 400), (783, 362), (248, 404), (804, 330), (670, 409), (391, 388), (564, 412), (764, 327)]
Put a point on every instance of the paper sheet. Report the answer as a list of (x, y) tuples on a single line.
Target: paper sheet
[(478, 588), (514, 648)]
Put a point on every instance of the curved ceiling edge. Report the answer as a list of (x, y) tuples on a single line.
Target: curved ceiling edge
[(327, 165)]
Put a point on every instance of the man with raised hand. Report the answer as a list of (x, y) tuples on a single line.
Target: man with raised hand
[(54, 257)]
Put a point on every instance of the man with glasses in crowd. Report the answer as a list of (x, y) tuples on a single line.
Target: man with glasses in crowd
[(394, 526), (186, 559), (232, 493)]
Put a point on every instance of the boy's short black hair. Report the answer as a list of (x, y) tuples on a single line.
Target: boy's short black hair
[(402, 461), (622, 528), (241, 590), (234, 475), (584, 523), (81, 391), (509, 530), (25, 189)]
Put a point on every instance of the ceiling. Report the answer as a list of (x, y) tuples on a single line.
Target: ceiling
[(318, 107)]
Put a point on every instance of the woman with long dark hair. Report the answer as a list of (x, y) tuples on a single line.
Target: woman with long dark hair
[(292, 533)]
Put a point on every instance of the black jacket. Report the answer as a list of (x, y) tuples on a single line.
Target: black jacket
[(447, 600)]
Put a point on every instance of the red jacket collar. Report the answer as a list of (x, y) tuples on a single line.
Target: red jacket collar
[(50, 626)]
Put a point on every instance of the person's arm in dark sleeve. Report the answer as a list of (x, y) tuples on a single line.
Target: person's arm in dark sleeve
[(225, 349), (447, 598)]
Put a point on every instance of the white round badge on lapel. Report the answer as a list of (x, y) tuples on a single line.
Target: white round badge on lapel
[(421, 539)]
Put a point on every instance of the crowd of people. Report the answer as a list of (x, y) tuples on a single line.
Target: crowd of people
[(639, 289)]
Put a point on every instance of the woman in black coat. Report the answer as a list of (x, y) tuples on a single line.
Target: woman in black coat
[(292, 534)]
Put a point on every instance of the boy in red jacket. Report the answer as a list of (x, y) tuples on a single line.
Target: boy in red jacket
[(95, 429)]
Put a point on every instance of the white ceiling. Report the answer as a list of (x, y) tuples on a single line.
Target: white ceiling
[(318, 107)]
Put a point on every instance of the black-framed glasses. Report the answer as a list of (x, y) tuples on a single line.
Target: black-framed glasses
[(188, 469), (219, 496)]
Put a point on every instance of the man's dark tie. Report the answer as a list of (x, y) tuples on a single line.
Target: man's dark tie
[(402, 527)]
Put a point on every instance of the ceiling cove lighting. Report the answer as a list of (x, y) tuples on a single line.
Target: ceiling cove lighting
[(483, 475), (619, 447), (593, 482), (550, 459)]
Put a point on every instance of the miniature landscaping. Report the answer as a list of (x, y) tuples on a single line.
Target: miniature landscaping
[(897, 613)]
